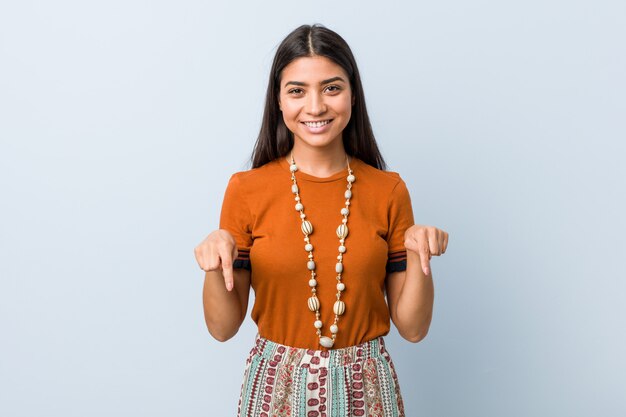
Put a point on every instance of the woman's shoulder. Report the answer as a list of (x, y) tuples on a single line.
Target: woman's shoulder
[(255, 181), (260, 174), (379, 177)]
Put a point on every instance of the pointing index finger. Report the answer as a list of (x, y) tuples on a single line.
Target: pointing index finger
[(227, 270), (425, 258)]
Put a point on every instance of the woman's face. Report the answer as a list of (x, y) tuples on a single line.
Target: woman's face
[(315, 100)]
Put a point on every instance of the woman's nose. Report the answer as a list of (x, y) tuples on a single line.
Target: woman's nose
[(315, 104)]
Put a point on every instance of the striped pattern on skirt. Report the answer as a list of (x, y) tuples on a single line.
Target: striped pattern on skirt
[(282, 381)]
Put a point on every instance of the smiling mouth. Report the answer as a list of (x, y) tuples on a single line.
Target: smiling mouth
[(318, 124)]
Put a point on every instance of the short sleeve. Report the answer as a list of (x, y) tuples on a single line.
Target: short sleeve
[(236, 219), (400, 216)]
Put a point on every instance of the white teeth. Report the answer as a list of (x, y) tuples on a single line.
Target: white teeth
[(317, 124)]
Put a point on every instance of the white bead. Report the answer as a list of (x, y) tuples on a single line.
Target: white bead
[(308, 247), (344, 221), (302, 216), (339, 268), (334, 328), (297, 198), (345, 211), (307, 227), (342, 231), (351, 178), (310, 265), (347, 194), (339, 308), (318, 324), (314, 304), (341, 286), (294, 188), (293, 168), (327, 342), (312, 282), (342, 249), (299, 206)]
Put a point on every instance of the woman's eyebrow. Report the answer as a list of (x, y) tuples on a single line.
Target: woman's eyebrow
[(300, 83)]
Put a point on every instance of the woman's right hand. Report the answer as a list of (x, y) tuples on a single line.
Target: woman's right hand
[(217, 251)]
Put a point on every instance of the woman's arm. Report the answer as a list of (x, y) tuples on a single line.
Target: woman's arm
[(410, 293), (226, 289), (224, 310), (410, 296)]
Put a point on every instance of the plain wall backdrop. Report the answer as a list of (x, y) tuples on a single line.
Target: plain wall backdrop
[(121, 122)]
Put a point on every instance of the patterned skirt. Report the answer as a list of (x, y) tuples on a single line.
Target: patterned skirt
[(358, 380)]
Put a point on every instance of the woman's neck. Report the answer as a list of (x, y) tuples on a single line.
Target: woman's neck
[(319, 162)]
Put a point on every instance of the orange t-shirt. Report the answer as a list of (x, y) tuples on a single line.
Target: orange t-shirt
[(259, 211)]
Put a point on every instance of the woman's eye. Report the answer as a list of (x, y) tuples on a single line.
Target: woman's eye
[(295, 91), (333, 88)]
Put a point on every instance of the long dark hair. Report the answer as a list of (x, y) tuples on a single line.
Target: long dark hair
[(275, 139)]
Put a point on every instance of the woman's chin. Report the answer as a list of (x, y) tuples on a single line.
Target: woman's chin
[(318, 141)]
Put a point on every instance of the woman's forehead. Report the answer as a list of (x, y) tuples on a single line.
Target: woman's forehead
[(312, 70)]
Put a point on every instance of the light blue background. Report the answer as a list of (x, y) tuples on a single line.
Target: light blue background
[(121, 121)]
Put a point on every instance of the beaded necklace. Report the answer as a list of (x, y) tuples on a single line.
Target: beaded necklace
[(313, 302)]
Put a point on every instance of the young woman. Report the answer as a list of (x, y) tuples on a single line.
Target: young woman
[(325, 237)]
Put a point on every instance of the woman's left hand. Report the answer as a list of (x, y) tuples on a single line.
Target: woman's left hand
[(425, 241)]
